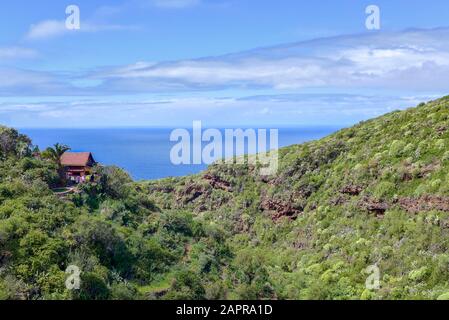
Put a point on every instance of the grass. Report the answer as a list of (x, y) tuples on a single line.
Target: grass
[(157, 286)]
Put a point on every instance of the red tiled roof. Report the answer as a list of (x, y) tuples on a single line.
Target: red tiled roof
[(75, 158)]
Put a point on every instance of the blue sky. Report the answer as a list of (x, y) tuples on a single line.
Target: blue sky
[(225, 62)]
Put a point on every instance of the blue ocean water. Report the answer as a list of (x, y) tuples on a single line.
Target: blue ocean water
[(145, 152)]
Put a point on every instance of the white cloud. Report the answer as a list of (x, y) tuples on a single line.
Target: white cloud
[(46, 29), (21, 82), (299, 109), (54, 28), (415, 60), (17, 53), (12, 78), (407, 60), (414, 63)]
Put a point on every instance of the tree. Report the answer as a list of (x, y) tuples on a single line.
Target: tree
[(114, 181), (13, 144), (54, 154)]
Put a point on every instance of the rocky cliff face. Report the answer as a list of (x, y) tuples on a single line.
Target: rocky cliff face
[(373, 194)]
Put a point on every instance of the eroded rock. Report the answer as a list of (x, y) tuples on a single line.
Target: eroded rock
[(218, 183)]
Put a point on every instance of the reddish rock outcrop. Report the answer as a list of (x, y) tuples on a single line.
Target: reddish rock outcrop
[(280, 209), (377, 207), (191, 193), (441, 130), (411, 205), (428, 169), (424, 203), (218, 183), (352, 190)]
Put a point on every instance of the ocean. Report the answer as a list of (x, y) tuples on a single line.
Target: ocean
[(145, 152)]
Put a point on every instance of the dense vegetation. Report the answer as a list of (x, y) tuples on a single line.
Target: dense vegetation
[(374, 194)]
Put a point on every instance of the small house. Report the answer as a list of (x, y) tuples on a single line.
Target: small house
[(77, 165)]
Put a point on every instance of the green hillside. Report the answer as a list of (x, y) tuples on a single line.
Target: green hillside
[(376, 194)]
